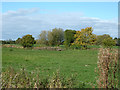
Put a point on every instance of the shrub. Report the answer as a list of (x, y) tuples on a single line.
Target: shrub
[(27, 41)]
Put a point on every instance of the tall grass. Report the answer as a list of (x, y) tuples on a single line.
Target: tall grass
[(107, 68), (23, 79)]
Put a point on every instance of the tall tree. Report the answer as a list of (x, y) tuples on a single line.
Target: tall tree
[(58, 36), (54, 37), (69, 37), (84, 37), (42, 38), (50, 38)]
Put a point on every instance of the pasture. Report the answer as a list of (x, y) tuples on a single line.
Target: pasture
[(78, 62)]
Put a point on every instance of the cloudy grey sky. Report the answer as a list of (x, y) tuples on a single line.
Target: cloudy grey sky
[(19, 19)]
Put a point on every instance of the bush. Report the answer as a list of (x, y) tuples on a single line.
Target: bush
[(27, 41)]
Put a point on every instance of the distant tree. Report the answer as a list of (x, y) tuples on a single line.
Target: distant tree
[(42, 38), (27, 41), (54, 37), (84, 38), (18, 41), (4, 42), (100, 38), (10, 41), (108, 42), (58, 36), (69, 37), (50, 38)]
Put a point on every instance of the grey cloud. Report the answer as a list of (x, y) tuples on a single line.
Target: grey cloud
[(21, 22)]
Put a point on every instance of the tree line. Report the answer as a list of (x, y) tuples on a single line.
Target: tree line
[(70, 38)]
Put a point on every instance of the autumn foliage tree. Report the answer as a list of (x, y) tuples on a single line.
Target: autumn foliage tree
[(27, 41), (84, 38)]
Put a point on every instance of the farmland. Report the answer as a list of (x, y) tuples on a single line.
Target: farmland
[(80, 62)]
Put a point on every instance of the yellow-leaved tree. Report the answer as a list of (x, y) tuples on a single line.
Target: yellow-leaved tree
[(84, 38)]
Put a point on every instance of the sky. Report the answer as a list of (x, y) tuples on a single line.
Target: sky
[(21, 18)]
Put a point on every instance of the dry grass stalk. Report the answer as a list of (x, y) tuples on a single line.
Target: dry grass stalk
[(107, 68), (23, 79)]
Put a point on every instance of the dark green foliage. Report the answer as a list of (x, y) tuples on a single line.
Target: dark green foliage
[(117, 40), (35, 41), (108, 42), (4, 42), (27, 41), (8, 41), (105, 40), (69, 37), (58, 36), (100, 38)]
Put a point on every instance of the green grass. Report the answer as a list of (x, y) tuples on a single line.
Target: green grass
[(68, 62)]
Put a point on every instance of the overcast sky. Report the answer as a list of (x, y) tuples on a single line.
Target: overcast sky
[(21, 18)]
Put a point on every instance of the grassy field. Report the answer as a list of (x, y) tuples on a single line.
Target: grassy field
[(80, 62)]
